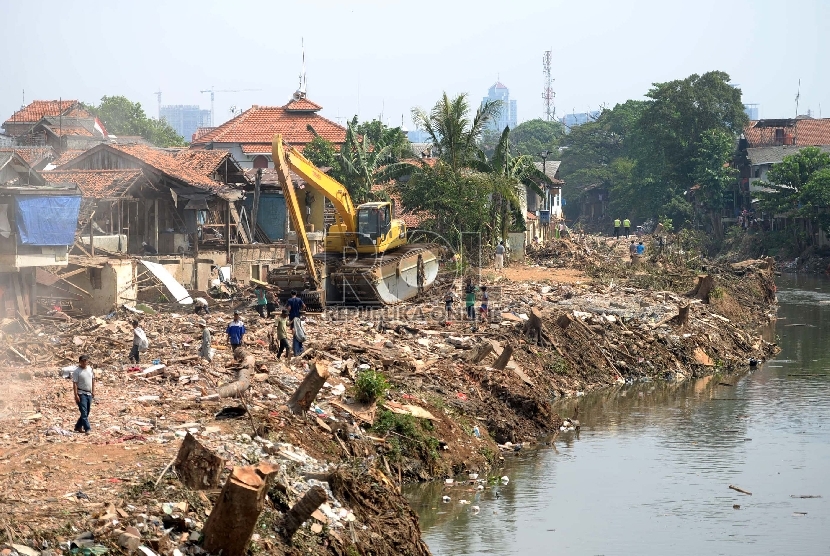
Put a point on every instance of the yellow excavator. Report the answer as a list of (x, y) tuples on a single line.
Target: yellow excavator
[(366, 259)]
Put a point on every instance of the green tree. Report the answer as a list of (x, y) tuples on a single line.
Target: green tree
[(511, 176), (713, 173), (378, 133), (452, 131), (815, 198), (121, 116), (786, 179), (321, 152), (534, 136), (362, 164), (455, 202)]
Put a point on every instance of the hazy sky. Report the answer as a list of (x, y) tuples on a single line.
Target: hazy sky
[(369, 57)]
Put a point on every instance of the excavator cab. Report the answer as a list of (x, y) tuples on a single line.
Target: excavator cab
[(374, 222)]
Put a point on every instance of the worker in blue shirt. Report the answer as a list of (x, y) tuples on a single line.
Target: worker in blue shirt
[(294, 305), (641, 249), (235, 331)]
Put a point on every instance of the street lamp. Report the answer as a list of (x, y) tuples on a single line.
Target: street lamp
[(544, 156)]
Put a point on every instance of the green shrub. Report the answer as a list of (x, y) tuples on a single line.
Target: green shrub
[(370, 385), (406, 435)]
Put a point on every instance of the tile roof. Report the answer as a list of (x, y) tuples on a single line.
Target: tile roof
[(302, 105), (259, 124), (530, 216), (32, 155), (201, 132), (67, 155), (774, 155), (96, 183), (166, 163), (256, 148), (805, 132), (62, 130), (37, 109), (205, 162)]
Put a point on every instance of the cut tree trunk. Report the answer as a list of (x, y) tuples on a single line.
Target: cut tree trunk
[(704, 286), (564, 321), (197, 467), (478, 353), (682, 317), (305, 393), (504, 358), (244, 373), (231, 523), (534, 325), (302, 510)]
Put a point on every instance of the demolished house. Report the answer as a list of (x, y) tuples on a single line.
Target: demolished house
[(37, 228), (178, 209)]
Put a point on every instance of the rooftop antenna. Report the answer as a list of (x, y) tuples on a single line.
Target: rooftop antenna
[(547, 93), (158, 95), (301, 91), (797, 96)]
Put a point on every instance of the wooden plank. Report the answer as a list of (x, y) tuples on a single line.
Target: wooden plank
[(239, 228), (72, 273), (22, 309)]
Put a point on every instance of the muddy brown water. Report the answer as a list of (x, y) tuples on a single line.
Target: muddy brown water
[(649, 472)]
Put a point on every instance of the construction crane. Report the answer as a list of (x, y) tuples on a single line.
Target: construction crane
[(212, 91)]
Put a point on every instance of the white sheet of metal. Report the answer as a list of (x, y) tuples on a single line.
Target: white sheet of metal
[(178, 292)]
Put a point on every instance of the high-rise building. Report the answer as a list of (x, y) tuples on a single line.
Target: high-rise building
[(575, 119), (508, 114), (185, 118), (751, 110)]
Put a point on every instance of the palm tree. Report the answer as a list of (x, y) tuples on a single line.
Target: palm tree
[(451, 132), (510, 175), (363, 164)]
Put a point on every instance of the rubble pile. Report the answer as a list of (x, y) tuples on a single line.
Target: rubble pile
[(450, 398)]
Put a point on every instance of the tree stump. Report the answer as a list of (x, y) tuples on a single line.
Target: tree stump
[(682, 317), (302, 510), (704, 286), (564, 321), (534, 325), (504, 358), (231, 523), (197, 467), (478, 353), (304, 395)]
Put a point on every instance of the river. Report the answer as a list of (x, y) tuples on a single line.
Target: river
[(649, 471)]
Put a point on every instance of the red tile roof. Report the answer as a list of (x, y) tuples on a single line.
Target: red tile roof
[(259, 124), (201, 132), (32, 155), (61, 130), (302, 105), (805, 132), (530, 216), (166, 163), (66, 156), (37, 109), (205, 162), (256, 148), (96, 183)]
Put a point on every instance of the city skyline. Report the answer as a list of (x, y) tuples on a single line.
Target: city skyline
[(604, 71)]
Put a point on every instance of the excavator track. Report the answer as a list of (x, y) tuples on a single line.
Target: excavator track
[(384, 279)]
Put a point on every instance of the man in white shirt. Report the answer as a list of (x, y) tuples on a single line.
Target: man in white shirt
[(83, 386)]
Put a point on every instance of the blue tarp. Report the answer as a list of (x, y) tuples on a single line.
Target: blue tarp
[(46, 220)]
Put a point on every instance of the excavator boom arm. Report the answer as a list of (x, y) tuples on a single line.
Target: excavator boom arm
[(332, 189), (293, 206)]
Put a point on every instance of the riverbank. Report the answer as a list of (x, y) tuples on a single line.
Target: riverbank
[(654, 461), (576, 317)]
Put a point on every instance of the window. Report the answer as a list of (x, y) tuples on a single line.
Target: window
[(255, 271), (260, 162)]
